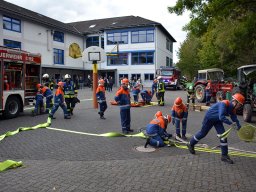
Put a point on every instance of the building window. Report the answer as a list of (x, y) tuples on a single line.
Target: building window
[(169, 45), (135, 77), (11, 24), (171, 62), (143, 58), (120, 59), (58, 36), (58, 56), (12, 44), (102, 42), (92, 41), (120, 37), (149, 76), (167, 61), (143, 36)]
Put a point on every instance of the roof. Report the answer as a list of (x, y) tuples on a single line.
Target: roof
[(82, 27), (247, 66), (210, 70), (100, 25), (21, 13)]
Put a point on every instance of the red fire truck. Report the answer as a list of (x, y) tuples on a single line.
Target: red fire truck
[(19, 74), (170, 76)]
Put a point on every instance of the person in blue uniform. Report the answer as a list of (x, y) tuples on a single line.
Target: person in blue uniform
[(123, 99), (216, 116), (156, 130), (101, 98)]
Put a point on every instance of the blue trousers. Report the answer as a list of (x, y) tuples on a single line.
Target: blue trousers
[(184, 126), (103, 106), (207, 125), (48, 103), (55, 108), (125, 119), (136, 98), (156, 141)]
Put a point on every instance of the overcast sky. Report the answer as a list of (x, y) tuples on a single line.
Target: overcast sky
[(81, 10)]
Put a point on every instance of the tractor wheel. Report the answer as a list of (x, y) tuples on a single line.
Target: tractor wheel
[(220, 96), (200, 93), (247, 112)]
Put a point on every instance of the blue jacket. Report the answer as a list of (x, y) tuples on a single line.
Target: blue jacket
[(219, 111), (59, 96), (100, 93)]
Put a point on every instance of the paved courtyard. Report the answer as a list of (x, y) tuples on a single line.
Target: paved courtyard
[(60, 161)]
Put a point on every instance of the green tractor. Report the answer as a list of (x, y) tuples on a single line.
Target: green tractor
[(246, 76)]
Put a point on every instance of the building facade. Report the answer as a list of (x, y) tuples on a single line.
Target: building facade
[(135, 46)]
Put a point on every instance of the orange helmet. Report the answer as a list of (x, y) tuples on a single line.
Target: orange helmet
[(178, 101), (168, 118), (239, 98), (38, 86), (101, 82), (125, 81), (158, 114), (61, 84)]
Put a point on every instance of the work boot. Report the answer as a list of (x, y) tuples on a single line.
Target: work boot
[(191, 148), (178, 135), (226, 159), (52, 117), (184, 137), (102, 117), (67, 117), (147, 143), (125, 131), (130, 130)]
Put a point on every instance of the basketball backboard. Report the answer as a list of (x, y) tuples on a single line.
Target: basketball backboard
[(94, 53)]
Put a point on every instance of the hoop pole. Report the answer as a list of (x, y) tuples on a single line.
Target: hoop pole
[(95, 83)]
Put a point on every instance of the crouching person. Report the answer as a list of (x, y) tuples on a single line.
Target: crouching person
[(59, 101), (146, 96), (156, 130)]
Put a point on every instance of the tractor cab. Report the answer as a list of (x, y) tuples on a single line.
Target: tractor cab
[(246, 76)]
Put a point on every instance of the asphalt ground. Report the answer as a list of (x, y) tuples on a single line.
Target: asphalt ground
[(60, 161)]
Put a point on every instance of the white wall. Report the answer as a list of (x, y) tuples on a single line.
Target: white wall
[(162, 52), (37, 38)]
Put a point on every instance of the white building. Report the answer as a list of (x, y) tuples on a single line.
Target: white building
[(143, 45)]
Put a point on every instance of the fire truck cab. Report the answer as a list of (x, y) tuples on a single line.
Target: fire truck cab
[(170, 76), (19, 74)]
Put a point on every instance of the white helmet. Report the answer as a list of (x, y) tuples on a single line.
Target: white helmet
[(67, 76), (45, 75), (159, 77)]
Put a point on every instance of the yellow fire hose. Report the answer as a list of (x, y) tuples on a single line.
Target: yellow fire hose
[(246, 133)]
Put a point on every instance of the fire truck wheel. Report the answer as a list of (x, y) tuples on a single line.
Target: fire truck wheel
[(247, 112), (12, 107)]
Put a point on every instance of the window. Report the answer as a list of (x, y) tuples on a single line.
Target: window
[(143, 58), (92, 41), (11, 24), (169, 45), (12, 44), (121, 59), (58, 36), (123, 76), (135, 77), (167, 61), (143, 36), (102, 42), (120, 37), (13, 75), (58, 56), (171, 62), (149, 76)]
